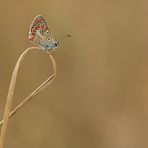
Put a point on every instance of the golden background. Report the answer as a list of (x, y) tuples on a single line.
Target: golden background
[(99, 98)]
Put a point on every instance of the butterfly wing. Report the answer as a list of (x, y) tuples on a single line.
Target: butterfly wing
[(40, 32)]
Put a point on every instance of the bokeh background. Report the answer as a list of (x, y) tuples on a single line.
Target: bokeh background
[(99, 98)]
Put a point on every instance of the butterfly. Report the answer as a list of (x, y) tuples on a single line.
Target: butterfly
[(40, 34)]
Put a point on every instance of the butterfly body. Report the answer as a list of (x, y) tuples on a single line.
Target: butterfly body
[(41, 35), (46, 45)]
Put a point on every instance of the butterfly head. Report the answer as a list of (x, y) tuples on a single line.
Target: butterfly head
[(56, 44)]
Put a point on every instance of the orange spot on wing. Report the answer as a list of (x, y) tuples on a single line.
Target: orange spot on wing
[(40, 19), (33, 33), (42, 26), (31, 39)]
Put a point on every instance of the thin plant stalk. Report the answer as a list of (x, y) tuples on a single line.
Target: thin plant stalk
[(8, 113)]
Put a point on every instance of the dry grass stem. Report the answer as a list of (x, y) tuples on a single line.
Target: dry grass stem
[(8, 113)]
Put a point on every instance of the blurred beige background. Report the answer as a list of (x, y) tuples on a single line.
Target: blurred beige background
[(99, 97)]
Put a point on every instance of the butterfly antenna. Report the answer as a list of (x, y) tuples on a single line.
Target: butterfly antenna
[(63, 37)]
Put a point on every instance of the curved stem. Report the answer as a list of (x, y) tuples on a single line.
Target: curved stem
[(8, 106)]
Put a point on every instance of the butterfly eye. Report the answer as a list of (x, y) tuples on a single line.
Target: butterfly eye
[(56, 44)]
